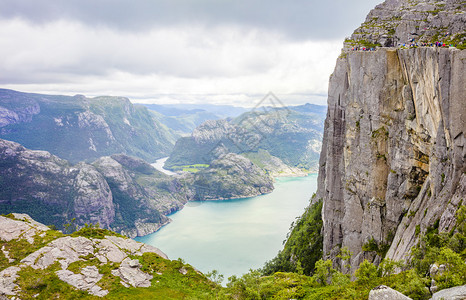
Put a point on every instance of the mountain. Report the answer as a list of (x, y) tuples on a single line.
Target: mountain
[(119, 192), (392, 167), (229, 177), (183, 124), (221, 111), (37, 262), (183, 119), (83, 129), (292, 135), (393, 162)]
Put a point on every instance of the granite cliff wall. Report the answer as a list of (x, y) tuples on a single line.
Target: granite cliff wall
[(393, 155)]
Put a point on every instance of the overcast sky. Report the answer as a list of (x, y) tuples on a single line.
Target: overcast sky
[(176, 51)]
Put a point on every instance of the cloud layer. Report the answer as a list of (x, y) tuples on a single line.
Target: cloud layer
[(173, 51)]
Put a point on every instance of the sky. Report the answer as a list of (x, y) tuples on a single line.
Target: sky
[(176, 51)]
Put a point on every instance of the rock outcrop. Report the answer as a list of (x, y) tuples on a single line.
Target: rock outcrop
[(402, 23), (68, 250), (384, 292), (393, 155), (454, 293)]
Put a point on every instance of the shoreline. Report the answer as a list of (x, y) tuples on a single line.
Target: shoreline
[(224, 200)]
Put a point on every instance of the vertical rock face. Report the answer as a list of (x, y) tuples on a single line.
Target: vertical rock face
[(93, 199), (393, 156)]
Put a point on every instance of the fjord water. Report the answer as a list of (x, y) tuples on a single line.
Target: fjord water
[(233, 236)]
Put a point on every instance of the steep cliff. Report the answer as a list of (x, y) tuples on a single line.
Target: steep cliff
[(50, 189), (393, 155)]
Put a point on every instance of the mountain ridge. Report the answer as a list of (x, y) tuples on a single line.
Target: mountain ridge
[(77, 128)]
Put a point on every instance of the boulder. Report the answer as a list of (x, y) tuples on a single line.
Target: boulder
[(85, 281), (130, 274), (454, 293), (383, 292)]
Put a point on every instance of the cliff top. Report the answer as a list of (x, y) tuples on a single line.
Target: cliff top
[(397, 23), (36, 261)]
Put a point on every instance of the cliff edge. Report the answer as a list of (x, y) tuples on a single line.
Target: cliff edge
[(393, 155)]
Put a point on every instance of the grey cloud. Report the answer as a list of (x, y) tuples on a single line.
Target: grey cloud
[(302, 19)]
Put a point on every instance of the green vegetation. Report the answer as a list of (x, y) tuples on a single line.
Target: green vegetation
[(362, 43), (178, 280), (382, 132), (20, 248), (304, 244), (190, 168), (93, 231), (47, 285), (171, 284), (168, 282), (448, 249)]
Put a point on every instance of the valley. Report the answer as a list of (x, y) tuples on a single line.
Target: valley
[(233, 236)]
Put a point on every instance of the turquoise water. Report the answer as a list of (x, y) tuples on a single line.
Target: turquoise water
[(233, 236)]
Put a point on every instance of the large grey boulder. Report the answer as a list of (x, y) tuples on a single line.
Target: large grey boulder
[(454, 293), (383, 292), (131, 274)]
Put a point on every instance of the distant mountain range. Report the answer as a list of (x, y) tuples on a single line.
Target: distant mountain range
[(291, 134), (83, 129), (184, 118)]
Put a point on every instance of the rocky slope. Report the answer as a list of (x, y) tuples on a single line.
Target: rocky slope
[(50, 189), (119, 192), (231, 176), (82, 129), (393, 154), (36, 262), (401, 22), (290, 134)]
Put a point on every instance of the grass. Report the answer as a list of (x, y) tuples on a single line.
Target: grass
[(20, 248), (190, 168), (167, 283), (45, 284)]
